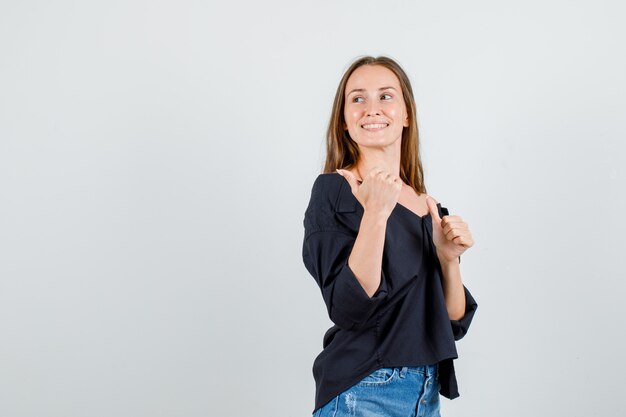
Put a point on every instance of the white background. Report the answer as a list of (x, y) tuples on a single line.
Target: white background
[(156, 159)]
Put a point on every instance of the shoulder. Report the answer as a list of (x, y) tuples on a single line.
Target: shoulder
[(433, 198), (328, 179), (325, 189), (320, 211)]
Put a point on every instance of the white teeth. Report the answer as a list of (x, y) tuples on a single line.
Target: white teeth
[(375, 126)]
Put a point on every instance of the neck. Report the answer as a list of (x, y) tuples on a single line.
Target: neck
[(385, 157), (364, 166)]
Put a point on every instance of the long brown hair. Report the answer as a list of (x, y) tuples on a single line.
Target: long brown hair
[(343, 153)]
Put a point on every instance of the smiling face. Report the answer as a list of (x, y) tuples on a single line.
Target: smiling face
[(374, 111)]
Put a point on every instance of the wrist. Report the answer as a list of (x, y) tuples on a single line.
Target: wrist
[(375, 217), (447, 264)]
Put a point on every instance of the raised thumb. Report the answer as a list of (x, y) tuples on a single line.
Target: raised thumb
[(434, 211), (349, 176)]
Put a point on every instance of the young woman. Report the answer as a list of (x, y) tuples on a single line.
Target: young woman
[(385, 255)]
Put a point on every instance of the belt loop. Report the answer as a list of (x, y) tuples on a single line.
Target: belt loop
[(403, 371)]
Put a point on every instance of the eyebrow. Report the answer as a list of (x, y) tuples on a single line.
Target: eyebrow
[(362, 89)]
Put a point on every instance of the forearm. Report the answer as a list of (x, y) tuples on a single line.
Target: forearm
[(453, 291), (366, 257)]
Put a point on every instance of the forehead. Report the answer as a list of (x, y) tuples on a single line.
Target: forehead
[(372, 77)]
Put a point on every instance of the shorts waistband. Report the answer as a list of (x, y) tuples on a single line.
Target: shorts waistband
[(427, 370)]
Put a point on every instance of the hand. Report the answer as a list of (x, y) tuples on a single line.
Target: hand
[(451, 235), (379, 191)]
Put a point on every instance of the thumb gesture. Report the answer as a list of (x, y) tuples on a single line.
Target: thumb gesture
[(451, 236), (349, 176)]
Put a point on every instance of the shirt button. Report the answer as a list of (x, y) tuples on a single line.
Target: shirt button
[(424, 401)]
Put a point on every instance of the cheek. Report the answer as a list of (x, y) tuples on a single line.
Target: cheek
[(350, 111), (394, 111), (351, 116)]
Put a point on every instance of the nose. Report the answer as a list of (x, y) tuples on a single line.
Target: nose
[(373, 107)]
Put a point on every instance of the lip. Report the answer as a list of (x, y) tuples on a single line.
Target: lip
[(376, 129)]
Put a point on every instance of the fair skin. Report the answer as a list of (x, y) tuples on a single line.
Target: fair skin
[(375, 116)]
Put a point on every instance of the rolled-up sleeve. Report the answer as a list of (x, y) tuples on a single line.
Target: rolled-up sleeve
[(461, 326), (325, 254)]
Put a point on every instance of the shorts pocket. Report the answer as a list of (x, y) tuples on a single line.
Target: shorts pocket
[(380, 376)]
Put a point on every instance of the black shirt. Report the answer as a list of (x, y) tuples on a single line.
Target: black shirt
[(406, 322)]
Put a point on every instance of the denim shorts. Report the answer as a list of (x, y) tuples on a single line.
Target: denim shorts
[(407, 391)]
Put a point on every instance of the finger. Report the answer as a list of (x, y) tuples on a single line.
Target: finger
[(432, 208), (349, 176), (447, 225), (382, 174), (374, 171), (459, 234), (459, 241), (453, 218), (462, 240), (452, 234), (391, 179)]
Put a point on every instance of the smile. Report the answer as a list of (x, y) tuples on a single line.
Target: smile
[(375, 126)]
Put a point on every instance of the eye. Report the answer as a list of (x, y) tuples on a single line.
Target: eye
[(354, 100)]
